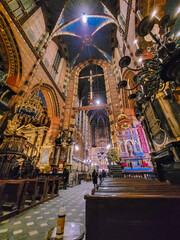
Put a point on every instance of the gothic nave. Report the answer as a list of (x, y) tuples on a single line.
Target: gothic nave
[(89, 119)]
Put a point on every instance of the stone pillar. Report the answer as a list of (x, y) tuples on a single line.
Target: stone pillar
[(84, 122), (80, 115), (71, 154), (93, 135)]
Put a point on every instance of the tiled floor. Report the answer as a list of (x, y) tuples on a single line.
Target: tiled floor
[(35, 223)]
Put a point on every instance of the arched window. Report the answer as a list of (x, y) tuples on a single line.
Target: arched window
[(21, 8)]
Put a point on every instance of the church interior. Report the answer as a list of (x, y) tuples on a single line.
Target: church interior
[(89, 119)]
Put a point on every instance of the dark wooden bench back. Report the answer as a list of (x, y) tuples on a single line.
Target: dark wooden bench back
[(136, 218), (12, 194)]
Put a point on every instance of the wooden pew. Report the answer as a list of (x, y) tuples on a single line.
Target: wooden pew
[(42, 185), (81, 176), (57, 186), (51, 187), (15, 195), (12, 194), (2, 185), (31, 192), (133, 209), (132, 217)]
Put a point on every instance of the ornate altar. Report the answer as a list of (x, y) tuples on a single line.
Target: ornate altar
[(24, 136)]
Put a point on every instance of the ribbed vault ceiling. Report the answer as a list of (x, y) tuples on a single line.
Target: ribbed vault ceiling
[(90, 39)]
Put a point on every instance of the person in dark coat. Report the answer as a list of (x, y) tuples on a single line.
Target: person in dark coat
[(100, 176), (103, 174), (94, 177), (65, 177)]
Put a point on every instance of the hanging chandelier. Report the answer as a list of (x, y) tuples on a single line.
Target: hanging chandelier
[(161, 72)]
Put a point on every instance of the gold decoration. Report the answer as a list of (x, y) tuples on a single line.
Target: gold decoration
[(11, 47), (28, 110), (123, 122), (12, 125)]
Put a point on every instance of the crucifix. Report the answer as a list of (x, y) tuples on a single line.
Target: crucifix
[(91, 76)]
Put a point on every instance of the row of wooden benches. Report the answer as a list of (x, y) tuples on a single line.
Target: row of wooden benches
[(18, 195), (138, 209)]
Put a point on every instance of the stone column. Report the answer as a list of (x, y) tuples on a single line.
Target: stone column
[(80, 115), (84, 122), (93, 135)]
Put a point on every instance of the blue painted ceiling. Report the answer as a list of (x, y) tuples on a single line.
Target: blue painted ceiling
[(85, 40)]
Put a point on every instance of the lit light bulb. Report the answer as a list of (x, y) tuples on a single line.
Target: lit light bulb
[(154, 15), (76, 148), (178, 34), (108, 146), (98, 102), (140, 60), (84, 17), (178, 11)]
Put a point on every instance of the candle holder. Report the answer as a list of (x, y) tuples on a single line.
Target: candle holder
[(162, 71)]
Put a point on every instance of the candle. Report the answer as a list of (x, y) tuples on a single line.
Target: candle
[(135, 42), (139, 15), (154, 15)]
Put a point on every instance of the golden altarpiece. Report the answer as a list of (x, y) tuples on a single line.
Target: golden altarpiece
[(24, 140)]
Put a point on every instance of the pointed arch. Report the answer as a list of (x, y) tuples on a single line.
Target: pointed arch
[(11, 54), (51, 99)]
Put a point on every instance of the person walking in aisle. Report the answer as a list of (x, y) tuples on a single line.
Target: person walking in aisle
[(94, 177), (65, 178)]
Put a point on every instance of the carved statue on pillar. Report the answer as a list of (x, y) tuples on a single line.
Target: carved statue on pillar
[(63, 142)]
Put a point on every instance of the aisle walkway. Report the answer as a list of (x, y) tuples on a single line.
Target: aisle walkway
[(35, 223)]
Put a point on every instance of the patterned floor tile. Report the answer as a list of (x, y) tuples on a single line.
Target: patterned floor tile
[(69, 214), (17, 231), (3, 230), (17, 223), (36, 222), (46, 213), (36, 212), (43, 224), (30, 224), (5, 221), (33, 233)]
